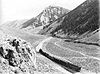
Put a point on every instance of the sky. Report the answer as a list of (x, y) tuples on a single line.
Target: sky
[(26, 9)]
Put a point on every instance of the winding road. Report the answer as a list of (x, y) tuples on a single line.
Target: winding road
[(42, 45)]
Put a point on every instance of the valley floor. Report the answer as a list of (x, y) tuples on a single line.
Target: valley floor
[(85, 56)]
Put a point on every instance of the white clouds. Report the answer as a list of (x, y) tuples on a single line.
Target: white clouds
[(22, 9)]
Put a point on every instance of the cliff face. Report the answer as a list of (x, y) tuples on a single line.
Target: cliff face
[(81, 21), (46, 17)]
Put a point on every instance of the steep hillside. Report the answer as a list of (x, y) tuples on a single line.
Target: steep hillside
[(77, 23), (93, 38), (46, 17)]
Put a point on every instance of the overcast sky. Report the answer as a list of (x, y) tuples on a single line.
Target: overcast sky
[(26, 9)]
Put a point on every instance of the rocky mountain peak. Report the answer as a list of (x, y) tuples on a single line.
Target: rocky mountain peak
[(48, 15)]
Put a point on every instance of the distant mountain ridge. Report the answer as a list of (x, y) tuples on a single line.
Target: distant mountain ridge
[(15, 24), (47, 16), (81, 21)]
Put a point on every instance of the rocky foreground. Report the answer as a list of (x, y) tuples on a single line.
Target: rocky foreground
[(16, 56)]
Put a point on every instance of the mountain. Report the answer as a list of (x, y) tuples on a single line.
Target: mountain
[(76, 24), (15, 24), (47, 16)]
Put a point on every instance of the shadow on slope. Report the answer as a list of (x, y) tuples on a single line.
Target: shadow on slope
[(81, 21)]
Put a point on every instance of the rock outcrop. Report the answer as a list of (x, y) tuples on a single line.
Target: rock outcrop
[(16, 55)]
